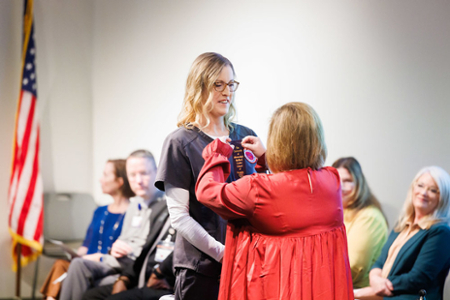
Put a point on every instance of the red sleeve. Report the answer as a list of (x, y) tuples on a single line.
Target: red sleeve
[(229, 200), (261, 164)]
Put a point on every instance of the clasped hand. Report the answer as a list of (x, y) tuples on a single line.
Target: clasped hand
[(380, 285), (157, 284), (120, 249)]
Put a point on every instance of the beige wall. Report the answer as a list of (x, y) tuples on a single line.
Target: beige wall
[(111, 75)]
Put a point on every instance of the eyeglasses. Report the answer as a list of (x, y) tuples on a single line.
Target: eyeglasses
[(421, 187), (220, 86)]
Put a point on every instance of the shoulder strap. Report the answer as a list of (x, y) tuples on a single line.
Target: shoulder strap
[(157, 219), (157, 216)]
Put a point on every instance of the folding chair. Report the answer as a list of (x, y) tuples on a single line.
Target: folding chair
[(66, 218)]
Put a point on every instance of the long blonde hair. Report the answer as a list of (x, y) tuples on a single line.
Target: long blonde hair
[(442, 211), (199, 91), (296, 139)]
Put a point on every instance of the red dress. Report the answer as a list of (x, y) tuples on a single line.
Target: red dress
[(286, 237)]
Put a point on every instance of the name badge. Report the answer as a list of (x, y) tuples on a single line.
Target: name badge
[(163, 249), (136, 221), (238, 159)]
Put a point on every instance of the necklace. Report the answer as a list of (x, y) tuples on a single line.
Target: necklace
[(102, 223)]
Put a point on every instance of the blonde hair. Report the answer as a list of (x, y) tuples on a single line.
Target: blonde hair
[(296, 139), (441, 213), (361, 196), (199, 91)]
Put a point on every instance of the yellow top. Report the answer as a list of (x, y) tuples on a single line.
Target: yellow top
[(366, 234)]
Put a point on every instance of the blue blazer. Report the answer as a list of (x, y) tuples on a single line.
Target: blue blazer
[(422, 263)]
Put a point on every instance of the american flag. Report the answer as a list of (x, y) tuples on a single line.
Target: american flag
[(25, 194)]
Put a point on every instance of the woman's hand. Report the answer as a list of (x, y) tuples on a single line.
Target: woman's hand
[(380, 285), (254, 144), (157, 284), (93, 257), (82, 251), (217, 146), (366, 293)]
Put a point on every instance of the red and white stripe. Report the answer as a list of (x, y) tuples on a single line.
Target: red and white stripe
[(26, 187)]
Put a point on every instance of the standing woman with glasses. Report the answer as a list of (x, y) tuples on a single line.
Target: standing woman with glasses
[(206, 115)]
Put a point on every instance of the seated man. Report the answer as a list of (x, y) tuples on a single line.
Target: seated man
[(141, 222), (148, 268)]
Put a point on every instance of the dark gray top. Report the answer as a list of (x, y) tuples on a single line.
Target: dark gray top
[(180, 165)]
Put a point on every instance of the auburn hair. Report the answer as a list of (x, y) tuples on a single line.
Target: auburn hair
[(121, 172)]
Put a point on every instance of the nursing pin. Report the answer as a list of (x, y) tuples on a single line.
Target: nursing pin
[(250, 156)]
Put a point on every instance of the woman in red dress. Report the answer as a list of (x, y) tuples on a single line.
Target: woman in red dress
[(294, 245)]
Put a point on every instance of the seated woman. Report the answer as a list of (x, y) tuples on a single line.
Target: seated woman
[(294, 246), (364, 221), (105, 226), (417, 253)]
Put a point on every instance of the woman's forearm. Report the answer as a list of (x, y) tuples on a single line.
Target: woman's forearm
[(190, 229)]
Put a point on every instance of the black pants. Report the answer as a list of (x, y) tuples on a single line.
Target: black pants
[(104, 292), (190, 285)]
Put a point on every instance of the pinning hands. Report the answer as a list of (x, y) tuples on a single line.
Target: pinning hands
[(226, 140), (254, 144), (251, 143), (217, 146)]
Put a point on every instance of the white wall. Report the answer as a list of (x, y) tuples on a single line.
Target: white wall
[(111, 77), (10, 16), (63, 31), (377, 72), (65, 42)]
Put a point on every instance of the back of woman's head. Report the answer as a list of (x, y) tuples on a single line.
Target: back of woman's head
[(442, 211), (121, 172), (361, 196), (199, 87), (296, 139)]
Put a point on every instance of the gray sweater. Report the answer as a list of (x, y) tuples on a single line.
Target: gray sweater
[(135, 229)]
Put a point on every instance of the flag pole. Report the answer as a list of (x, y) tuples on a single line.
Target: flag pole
[(25, 190), (18, 275)]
